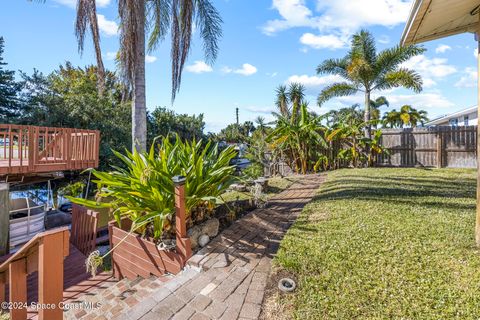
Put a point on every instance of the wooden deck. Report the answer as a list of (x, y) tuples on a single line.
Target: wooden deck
[(76, 281), (29, 149)]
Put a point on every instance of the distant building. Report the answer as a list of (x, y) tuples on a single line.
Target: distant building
[(466, 117)]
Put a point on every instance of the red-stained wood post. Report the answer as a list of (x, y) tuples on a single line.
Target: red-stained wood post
[(3, 281), (18, 289), (183, 241), (50, 275)]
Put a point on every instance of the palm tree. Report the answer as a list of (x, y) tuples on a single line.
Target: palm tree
[(282, 101), (261, 125), (375, 107), (407, 116), (87, 18), (288, 101), (364, 70), (296, 95), (159, 17)]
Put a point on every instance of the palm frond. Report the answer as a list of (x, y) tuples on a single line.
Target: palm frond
[(390, 59), (341, 89), (334, 67), (87, 19), (401, 78)]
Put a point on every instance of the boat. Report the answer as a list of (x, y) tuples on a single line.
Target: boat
[(26, 220)]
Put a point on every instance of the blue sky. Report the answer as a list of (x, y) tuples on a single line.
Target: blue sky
[(266, 43)]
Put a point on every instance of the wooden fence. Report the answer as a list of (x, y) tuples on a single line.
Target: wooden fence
[(452, 147)]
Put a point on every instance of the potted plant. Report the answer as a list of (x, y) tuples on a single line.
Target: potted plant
[(144, 235)]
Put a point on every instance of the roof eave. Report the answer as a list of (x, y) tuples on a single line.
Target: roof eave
[(411, 18)]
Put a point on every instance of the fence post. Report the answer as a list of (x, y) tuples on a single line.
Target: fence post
[(50, 274), (182, 240), (4, 218), (439, 148), (18, 289)]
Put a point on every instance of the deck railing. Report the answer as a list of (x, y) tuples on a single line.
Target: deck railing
[(31, 149), (44, 253)]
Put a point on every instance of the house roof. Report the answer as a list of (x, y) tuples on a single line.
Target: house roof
[(447, 117), (434, 19)]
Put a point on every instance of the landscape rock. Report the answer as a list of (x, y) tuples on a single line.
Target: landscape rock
[(194, 233), (238, 187), (208, 228), (203, 240)]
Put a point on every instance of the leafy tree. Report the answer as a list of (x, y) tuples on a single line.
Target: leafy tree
[(236, 133), (164, 121), (9, 89), (406, 117), (337, 116), (69, 97), (364, 70)]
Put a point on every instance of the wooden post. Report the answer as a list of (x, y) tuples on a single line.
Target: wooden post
[(183, 241), (3, 281), (477, 222), (4, 218), (439, 148), (18, 289), (50, 275)]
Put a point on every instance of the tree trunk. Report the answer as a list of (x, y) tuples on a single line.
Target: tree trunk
[(139, 108), (368, 128)]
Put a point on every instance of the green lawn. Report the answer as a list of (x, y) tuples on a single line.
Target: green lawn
[(385, 243)]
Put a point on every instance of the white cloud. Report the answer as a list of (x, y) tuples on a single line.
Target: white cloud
[(199, 67), (343, 15), (108, 27), (336, 20), (430, 69), (422, 100), (314, 84), (150, 59), (384, 39), (111, 55), (314, 81), (442, 48), (475, 53), (469, 79), (73, 3), (264, 110), (103, 3), (246, 70), (321, 42)]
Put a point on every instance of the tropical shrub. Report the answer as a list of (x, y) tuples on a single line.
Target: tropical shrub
[(143, 192), (300, 139)]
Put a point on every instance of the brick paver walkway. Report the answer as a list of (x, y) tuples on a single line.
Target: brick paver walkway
[(227, 278)]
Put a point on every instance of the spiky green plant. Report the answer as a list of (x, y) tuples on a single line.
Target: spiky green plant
[(143, 192)]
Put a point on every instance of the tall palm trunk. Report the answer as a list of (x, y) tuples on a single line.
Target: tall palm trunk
[(368, 128), (139, 109)]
